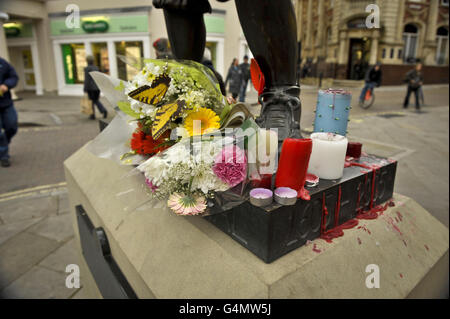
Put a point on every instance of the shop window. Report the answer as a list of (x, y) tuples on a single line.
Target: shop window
[(212, 46), (132, 50), (100, 54), (444, 3), (74, 62), (442, 45), (410, 41)]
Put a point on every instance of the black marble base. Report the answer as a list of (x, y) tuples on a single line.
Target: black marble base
[(274, 231)]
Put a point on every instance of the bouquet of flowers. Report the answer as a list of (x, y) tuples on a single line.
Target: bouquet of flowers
[(173, 119)]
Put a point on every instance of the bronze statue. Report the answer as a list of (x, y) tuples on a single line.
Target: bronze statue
[(271, 32)]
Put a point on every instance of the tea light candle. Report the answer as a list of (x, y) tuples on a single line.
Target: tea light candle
[(294, 159), (261, 197), (328, 155), (285, 196), (332, 111)]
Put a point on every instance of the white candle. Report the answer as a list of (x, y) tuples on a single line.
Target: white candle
[(267, 145), (328, 155)]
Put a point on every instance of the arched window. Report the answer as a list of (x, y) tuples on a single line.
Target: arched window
[(410, 39), (442, 45)]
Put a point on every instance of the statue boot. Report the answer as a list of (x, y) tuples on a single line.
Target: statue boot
[(281, 110)]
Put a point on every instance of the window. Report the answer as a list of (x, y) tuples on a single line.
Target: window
[(392, 54), (383, 53), (400, 53), (133, 50), (410, 39), (74, 62), (444, 3), (442, 45)]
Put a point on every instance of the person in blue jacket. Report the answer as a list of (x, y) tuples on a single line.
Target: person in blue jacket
[(8, 114)]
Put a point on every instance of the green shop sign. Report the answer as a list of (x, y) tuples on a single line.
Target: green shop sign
[(95, 26), (18, 30), (101, 24)]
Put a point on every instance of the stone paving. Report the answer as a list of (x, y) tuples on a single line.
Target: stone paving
[(36, 245)]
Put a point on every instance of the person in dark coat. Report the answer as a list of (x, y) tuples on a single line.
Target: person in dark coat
[(92, 89), (245, 69), (234, 77), (414, 79), (8, 114), (372, 80)]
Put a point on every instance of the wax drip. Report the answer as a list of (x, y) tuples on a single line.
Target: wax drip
[(372, 213)]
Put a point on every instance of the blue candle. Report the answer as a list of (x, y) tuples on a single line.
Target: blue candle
[(332, 111)]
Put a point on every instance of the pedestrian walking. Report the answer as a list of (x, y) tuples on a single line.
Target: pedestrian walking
[(372, 80), (8, 114), (234, 77), (245, 69), (92, 89), (414, 79)]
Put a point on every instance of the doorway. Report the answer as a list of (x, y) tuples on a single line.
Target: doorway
[(358, 58), (21, 58)]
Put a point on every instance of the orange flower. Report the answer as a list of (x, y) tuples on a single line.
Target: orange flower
[(145, 145)]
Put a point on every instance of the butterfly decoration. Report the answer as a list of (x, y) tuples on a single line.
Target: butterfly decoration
[(153, 95), (166, 114)]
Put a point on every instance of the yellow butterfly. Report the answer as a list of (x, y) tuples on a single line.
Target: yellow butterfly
[(152, 94), (164, 115)]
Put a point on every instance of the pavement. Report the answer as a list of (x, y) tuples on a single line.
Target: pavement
[(36, 234)]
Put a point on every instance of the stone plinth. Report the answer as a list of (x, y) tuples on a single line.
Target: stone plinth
[(167, 256)]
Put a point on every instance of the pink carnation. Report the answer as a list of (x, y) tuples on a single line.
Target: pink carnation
[(230, 165)]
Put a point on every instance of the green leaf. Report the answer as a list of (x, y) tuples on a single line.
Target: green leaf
[(120, 87), (126, 108)]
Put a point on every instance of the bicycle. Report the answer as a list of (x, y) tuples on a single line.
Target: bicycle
[(369, 98)]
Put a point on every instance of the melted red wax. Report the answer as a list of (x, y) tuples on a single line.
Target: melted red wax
[(401, 276), (365, 229), (359, 241), (400, 216), (315, 249), (338, 208), (372, 213)]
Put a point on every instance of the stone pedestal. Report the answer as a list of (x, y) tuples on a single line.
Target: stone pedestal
[(162, 255)]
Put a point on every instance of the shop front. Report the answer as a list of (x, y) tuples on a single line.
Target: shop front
[(23, 53), (107, 38)]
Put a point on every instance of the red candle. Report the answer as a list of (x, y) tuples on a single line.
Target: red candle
[(264, 181), (293, 165), (354, 149)]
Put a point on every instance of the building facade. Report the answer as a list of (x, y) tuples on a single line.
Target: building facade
[(48, 47), (336, 42)]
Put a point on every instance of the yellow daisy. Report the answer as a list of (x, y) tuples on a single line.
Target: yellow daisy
[(209, 121)]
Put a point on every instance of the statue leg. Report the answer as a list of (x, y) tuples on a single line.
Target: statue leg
[(185, 27), (271, 31)]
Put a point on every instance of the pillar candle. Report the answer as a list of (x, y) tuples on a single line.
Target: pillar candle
[(266, 158), (328, 155), (293, 164), (332, 111)]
